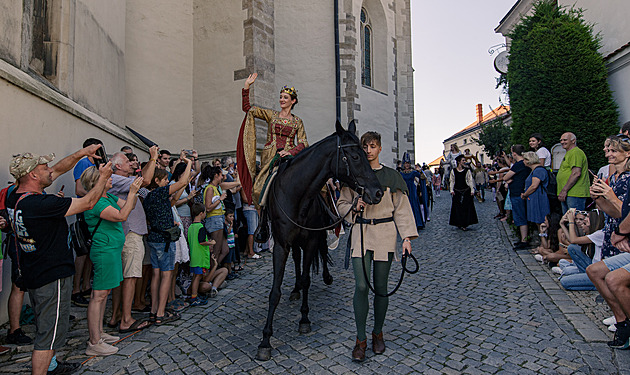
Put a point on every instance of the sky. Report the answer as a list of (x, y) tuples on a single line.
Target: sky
[(453, 70)]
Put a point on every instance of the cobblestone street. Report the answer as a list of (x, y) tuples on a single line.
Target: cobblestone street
[(475, 307)]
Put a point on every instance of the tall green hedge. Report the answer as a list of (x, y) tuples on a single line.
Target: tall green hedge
[(557, 81)]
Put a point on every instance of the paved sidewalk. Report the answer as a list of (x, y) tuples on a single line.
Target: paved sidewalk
[(475, 307)]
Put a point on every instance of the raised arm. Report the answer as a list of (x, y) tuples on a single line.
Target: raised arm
[(67, 163), (183, 180), (112, 214), (149, 168), (88, 202)]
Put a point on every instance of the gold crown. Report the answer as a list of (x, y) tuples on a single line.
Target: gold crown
[(289, 90)]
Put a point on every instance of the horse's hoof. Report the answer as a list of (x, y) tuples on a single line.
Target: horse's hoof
[(295, 296), (328, 279), (305, 328), (264, 354)]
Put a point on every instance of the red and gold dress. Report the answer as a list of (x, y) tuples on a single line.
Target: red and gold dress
[(281, 133)]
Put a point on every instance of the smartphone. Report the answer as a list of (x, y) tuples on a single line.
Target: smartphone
[(62, 186), (103, 156)]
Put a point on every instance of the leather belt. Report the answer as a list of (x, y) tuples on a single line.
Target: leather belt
[(360, 220)]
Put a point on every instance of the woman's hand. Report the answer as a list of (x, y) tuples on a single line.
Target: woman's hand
[(136, 185), (601, 189), (223, 196), (284, 153), (250, 80)]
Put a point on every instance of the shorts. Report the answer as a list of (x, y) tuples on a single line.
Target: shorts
[(198, 270), (214, 223), (132, 255), (251, 216), (51, 304), (164, 260), (519, 211), (618, 261)]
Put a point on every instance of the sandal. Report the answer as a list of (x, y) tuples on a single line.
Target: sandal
[(135, 326), (168, 317), (152, 317), (239, 268), (115, 325)]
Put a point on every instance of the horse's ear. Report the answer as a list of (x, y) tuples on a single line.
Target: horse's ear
[(338, 128), (352, 127)]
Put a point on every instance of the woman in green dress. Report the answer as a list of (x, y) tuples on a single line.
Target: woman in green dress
[(105, 223)]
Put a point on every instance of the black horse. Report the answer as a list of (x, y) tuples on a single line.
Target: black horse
[(292, 200)]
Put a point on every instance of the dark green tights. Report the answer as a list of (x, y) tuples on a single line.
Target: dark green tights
[(361, 291)]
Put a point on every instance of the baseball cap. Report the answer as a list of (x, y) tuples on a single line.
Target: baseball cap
[(22, 164)]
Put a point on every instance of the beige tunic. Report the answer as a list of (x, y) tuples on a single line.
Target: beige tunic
[(380, 238)]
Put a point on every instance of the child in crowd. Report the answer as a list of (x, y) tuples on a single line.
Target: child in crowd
[(584, 250), (229, 234), (199, 252)]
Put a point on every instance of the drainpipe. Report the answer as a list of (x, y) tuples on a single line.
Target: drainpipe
[(337, 64)]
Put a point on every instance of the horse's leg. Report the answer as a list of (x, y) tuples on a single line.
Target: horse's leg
[(295, 293), (310, 252), (280, 256), (323, 254)]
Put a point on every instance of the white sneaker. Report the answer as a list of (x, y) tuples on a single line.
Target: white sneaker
[(612, 328), (610, 321), (109, 339), (101, 349), (538, 257), (556, 270)]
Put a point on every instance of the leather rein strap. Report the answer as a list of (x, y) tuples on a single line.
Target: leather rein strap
[(349, 173)]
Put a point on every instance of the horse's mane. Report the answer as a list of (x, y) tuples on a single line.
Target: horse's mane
[(310, 149)]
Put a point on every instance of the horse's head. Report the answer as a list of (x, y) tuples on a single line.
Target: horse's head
[(352, 166)]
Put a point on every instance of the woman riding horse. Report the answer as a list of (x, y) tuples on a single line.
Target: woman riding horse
[(283, 127)]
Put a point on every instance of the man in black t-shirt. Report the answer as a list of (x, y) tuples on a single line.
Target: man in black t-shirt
[(518, 174), (44, 258)]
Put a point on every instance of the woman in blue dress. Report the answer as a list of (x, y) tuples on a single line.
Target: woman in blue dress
[(535, 193), (417, 206)]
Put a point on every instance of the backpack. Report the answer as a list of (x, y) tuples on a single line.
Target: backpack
[(80, 236)]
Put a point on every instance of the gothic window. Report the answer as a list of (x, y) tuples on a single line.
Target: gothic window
[(366, 49)]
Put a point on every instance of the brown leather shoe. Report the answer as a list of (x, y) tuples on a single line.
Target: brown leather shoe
[(378, 344), (358, 353)]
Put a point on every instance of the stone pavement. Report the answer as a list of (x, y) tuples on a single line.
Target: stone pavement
[(475, 307)]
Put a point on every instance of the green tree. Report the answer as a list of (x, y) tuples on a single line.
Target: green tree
[(494, 136), (557, 80)]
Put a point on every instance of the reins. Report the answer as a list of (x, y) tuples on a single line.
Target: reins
[(403, 262), (349, 173)]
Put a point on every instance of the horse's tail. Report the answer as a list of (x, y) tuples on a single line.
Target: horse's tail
[(322, 252)]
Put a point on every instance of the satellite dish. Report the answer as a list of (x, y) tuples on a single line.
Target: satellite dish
[(501, 62)]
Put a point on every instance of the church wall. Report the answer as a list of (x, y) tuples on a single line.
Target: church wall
[(305, 59), (375, 106), (93, 71), (11, 31), (218, 52), (159, 71)]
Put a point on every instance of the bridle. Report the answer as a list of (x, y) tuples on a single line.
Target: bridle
[(340, 151), (357, 187)]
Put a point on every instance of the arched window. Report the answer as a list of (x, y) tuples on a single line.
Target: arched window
[(366, 49)]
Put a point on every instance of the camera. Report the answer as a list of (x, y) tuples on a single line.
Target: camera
[(103, 157)]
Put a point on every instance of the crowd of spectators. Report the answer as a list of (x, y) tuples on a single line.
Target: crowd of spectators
[(162, 235), (581, 217)]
